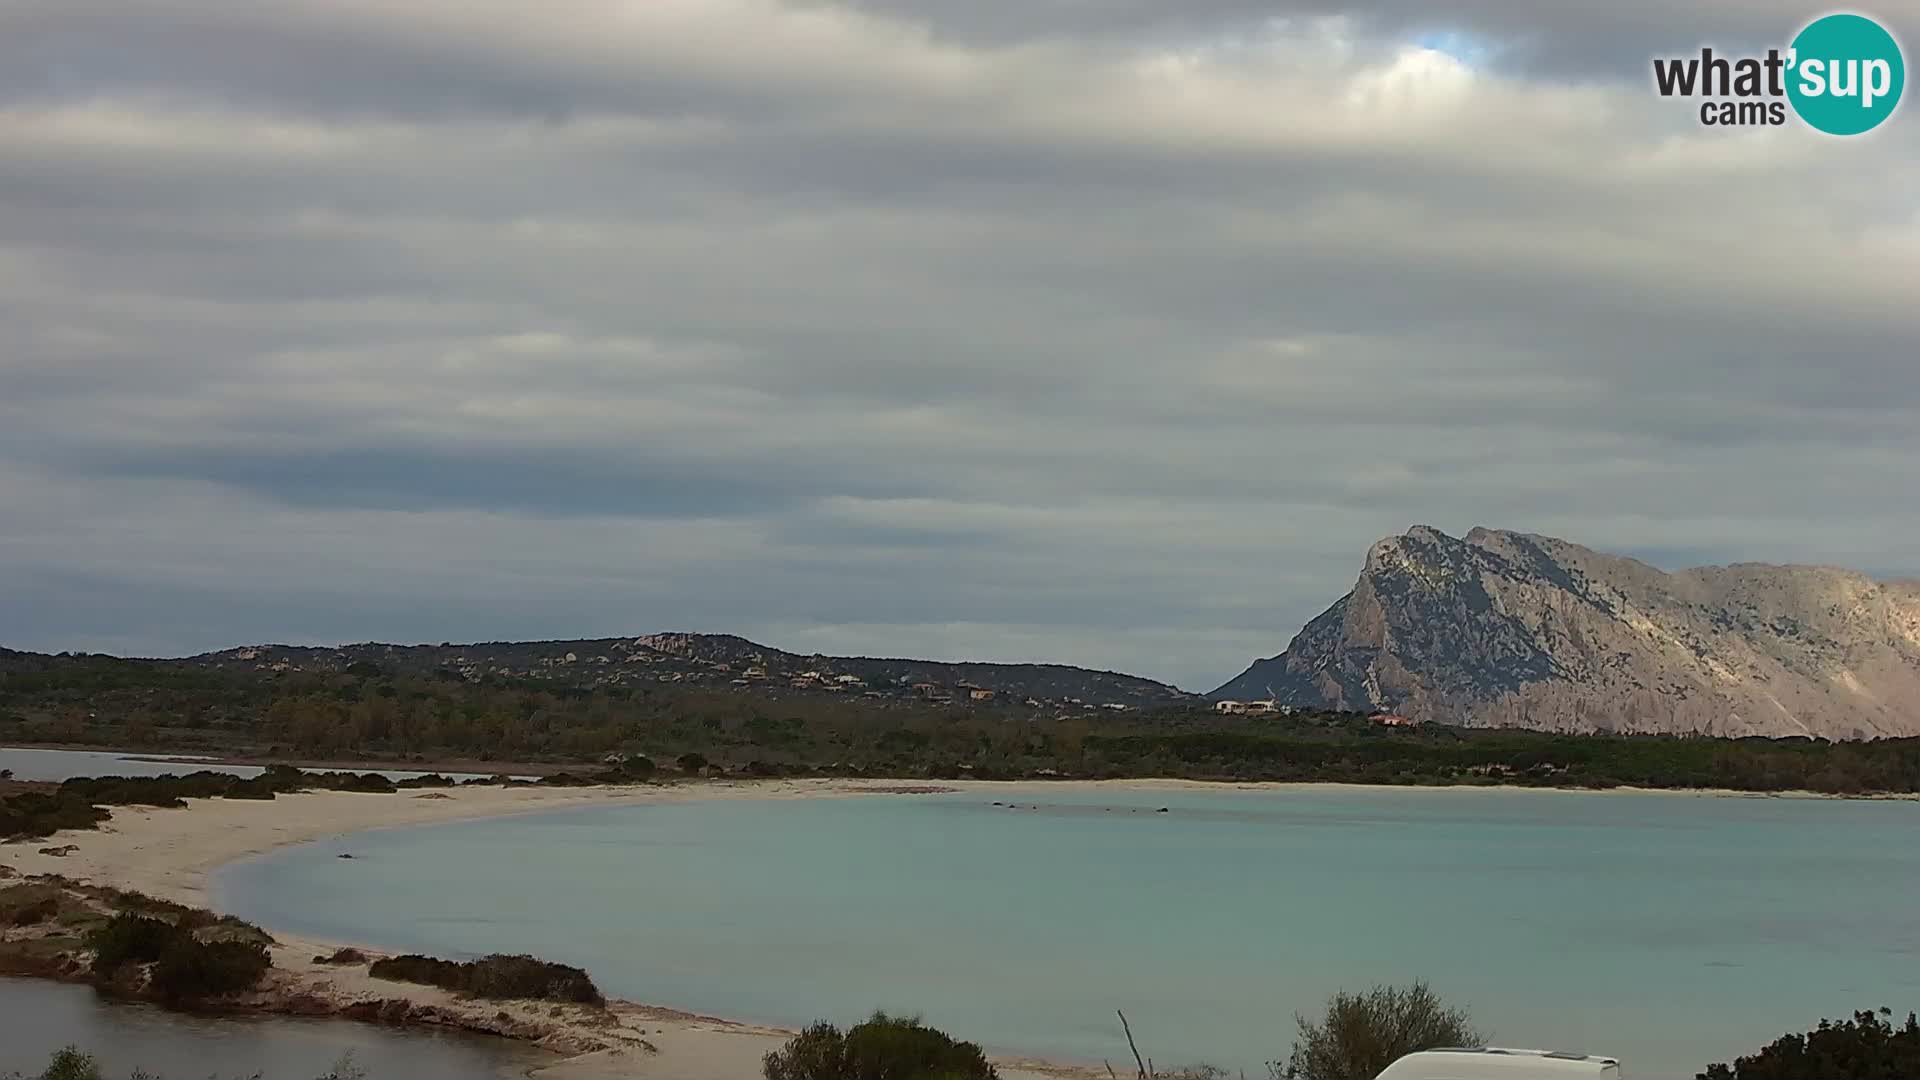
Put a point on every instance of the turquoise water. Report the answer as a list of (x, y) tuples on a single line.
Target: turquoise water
[(1667, 930)]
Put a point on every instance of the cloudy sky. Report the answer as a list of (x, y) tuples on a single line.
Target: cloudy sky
[(1109, 332)]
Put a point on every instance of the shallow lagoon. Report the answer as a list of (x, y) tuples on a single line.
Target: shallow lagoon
[(1668, 930)]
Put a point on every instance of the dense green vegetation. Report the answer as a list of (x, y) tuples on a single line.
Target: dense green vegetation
[(880, 1048), (128, 938), (1363, 1033), (370, 714), (187, 965), (1867, 1047), (496, 977)]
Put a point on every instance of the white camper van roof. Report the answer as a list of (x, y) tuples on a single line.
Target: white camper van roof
[(1499, 1063)]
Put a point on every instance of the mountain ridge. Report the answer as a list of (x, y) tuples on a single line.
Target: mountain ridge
[(719, 659), (1505, 628)]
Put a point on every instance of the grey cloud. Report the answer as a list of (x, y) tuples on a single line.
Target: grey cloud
[(1578, 40), (1051, 331)]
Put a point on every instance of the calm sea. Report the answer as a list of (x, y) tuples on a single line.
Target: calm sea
[(1667, 930)]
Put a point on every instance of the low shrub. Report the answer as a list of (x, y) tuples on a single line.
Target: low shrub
[(430, 780), (882, 1048), (342, 956), (140, 903), (1363, 1033), (27, 904), (128, 938), (38, 912), (259, 788), (189, 969), (499, 976), (69, 1063), (638, 767), (35, 814), (367, 782), (80, 802), (194, 955)]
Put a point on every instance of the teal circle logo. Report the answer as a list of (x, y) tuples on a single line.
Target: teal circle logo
[(1845, 74)]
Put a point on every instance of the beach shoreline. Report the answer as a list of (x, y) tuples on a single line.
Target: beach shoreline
[(173, 855)]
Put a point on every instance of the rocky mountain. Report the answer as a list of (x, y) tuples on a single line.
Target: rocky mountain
[(1509, 629), (717, 660)]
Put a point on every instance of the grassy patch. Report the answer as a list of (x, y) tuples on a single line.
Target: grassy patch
[(29, 903)]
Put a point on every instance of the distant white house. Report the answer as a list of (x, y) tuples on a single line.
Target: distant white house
[(1229, 706)]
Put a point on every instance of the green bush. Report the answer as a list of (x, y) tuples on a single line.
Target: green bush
[(1867, 1047), (38, 912), (37, 814), (1361, 1034), (367, 782), (70, 1064), (184, 967), (189, 969), (128, 938), (499, 977), (882, 1048), (259, 787)]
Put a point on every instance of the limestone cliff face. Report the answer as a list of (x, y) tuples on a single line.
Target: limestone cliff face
[(1509, 629)]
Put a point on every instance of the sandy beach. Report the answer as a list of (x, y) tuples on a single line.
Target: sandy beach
[(172, 853)]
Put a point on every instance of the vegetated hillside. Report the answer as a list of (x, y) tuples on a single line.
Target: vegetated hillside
[(368, 713), (713, 660), (1510, 629)]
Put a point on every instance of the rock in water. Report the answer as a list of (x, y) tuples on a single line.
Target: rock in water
[(1510, 629)]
